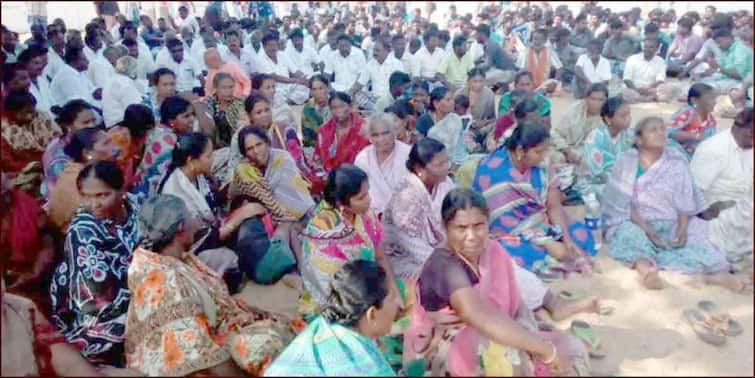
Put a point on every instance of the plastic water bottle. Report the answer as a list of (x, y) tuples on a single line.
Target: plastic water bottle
[(593, 217)]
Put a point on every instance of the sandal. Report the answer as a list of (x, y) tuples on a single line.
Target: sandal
[(706, 333), (583, 331), (719, 319)]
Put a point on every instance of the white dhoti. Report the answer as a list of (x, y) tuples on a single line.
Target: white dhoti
[(731, 232)]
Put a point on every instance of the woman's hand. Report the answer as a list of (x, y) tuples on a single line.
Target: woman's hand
[(680, 240), (656, 239)]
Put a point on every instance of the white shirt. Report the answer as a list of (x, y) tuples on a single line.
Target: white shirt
[(721, 169), (302, 60), (186, 72), (347, 70), (198, 49), (93, 55), (385, 178), (54, 63), (247, 61), (429, 63), (326, 53), (643, 73), (596, 74), (409, 63), (119, 93), (379, 75), (41, 93), (100, 72), (189, 21), (70, 84)]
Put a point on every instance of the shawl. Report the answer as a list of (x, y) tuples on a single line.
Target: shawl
[(281, 189), (330, 350), (385, 178), (574, 128), (194, 196), (333, 151)]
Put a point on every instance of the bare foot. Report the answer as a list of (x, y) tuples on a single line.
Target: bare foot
[(652, 280), (734, 282), (562, 308)]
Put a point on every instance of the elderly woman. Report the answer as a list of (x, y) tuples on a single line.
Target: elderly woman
[(215, 64), (316, 110), (226, 109), (120, 91), (342, 229), (525, 201), (26, 133), (360, 307), (340, 139), (73, 116), (181, 319), (469, 318), (384, 160), (89, 292), (412, 217), (269, 176), (694, 122), (650, 209)]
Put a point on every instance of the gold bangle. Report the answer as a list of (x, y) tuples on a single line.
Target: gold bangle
[(555, 354)]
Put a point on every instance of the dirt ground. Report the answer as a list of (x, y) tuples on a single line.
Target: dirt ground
[(647, 334)]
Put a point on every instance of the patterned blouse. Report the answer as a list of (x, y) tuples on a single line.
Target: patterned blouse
[(89, 290)]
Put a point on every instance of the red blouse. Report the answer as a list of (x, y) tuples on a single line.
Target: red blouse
[(332, 152)]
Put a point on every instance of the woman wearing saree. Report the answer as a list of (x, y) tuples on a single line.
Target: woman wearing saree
[(316, 110), (650, 209), (413, 228), (182, 320), (340, 139), (468, 318), (447, 127), (129, 136), (342, 229), (525, 201), (73, 116), (282, 136), (227, 111), (269, 176), (695, 121), (26, 133), (340, 342), (581, 118), (481, 102), (177, 118), (89, 293), (86, 145), (523, 81), (163, 82), (605, 144)]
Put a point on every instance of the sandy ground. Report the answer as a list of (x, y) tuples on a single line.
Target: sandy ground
[(647, 334)]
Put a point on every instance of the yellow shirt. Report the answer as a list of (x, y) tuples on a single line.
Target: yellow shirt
[(455, 70)]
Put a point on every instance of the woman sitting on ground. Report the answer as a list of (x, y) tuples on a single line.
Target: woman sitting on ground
[(188, 177), (227, 111), (316, 110), (649, 209), (695, 121), (340, 139), (523, 81), (527, 217), (481, 101), (182, 320), (73, 116), (86, 145), (269, 176), (469, 319), (130, 136), (282, 136), (360, 308), (89, 293), (26, 133), (163, 85), (446, 126), (606, 143), (342, 229), (524, 110), (177, 118), (413, 228)]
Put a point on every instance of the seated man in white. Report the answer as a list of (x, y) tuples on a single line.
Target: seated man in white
[(644, 73), (384, 161), (72, 83), (102, 70), (347, 68), (301, 55), (243, 57), (120, 92), (722, 168), (33, 61), (292, 84), (188, 72), (380, 68)]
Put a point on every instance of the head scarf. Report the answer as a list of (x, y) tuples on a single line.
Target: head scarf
[(159, 219)]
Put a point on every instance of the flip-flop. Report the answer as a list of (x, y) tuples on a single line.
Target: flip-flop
[(606, 310), (706, 333), (719, 319), (583, 331)]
